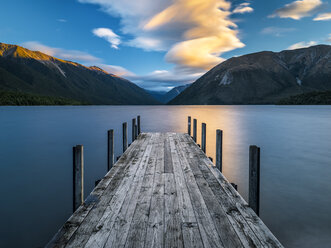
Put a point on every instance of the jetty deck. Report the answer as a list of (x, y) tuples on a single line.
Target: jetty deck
[(164, 192)]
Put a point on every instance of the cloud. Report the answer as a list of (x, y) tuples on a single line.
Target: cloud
[(323, 17), (108, 35), (72, 55), (194, 32), (298, 9), (117, 70), (276, 31), (61, 20), (243, 8), (302, 45), (329, 38), (165, 79)]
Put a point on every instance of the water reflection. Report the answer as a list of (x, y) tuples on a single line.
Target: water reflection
[(35, 162)]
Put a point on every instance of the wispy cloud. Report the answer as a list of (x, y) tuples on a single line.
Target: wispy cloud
[(195, 33), (298, 9), (302, 45), (108, 35), (61, 20), (277, 31), (72, 55), (329, 38), (323, 17), (117, 70), (243, 8)]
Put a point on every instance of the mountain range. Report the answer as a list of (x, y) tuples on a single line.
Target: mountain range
[(166, 96), (33, 72), (262, 78)]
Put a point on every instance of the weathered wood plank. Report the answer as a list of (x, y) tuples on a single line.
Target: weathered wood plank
[(190, 229), (168, 167), (121, 169), (99, 237), (206, 225), (138, 228), (154, 234)]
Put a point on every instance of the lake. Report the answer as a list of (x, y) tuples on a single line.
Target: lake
[(36, 162)]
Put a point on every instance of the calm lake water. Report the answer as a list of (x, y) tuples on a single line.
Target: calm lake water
[(36, 162)]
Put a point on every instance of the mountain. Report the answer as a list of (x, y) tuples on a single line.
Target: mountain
[(262, 78), (36, 73), (311, 98), (164, 96)]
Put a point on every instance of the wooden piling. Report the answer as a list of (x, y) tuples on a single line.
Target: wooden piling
[(78, 176), (203, 137), (136, 132), (219, 148), (125, 136), (189, 125), (254, 179), (133, 129), (138, 123), (235, 186), (110, 157), (195, 130)]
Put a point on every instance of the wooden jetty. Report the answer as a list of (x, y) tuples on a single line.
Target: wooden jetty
[(164, 192)]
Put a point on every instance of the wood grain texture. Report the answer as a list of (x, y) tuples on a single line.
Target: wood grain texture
[(164, 192)]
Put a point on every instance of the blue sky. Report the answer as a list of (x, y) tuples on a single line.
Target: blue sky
[(159, 44)]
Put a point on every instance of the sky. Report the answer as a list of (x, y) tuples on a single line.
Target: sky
[(160, 44)]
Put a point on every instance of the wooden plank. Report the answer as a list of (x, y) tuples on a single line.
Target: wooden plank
[(245, 234), (168, 167), (206, 225), (119, 232), (172, 225), (99, 236), (123, 168), (154, 234), (190, 229), (138, 228), (239, 205), (68, 230)]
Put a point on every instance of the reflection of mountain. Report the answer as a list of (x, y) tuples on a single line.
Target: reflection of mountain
[(264, 77), (25, 71), (165, 97)]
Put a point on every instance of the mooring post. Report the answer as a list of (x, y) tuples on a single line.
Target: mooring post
[(136, 132), (110, 157), (133, 129), (219, 147), (203, 137), (138, 123), (78, 176), (189, 125), (195, 130), (254, 179), (235, 186), (125, 136)]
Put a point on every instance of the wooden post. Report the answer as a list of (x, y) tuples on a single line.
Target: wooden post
[(138, 122), (195, 130), (189, 125), (254, 179), (78, 176), (133, 129), (235, 186), (203, 137), (136, 132), (110, 157), (219, 147), (125, 136)]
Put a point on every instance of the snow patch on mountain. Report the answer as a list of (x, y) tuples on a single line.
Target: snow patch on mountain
[(226, 80)]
